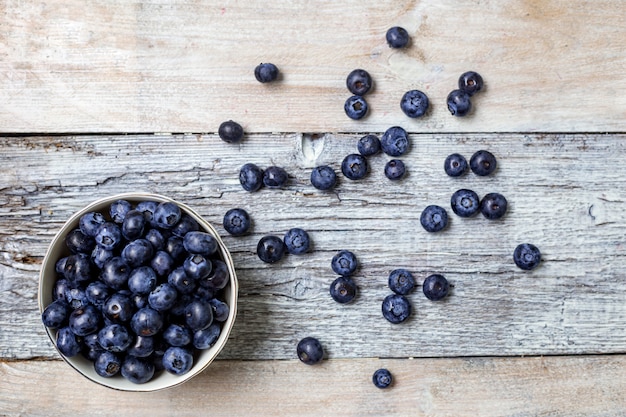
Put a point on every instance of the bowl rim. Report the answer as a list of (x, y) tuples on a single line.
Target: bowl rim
[(232, 293)]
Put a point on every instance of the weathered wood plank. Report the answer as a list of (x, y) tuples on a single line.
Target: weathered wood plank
[(186, 66), (566, 195), (520, 387)]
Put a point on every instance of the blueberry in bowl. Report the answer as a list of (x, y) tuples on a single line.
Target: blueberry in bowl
[(105, 305)]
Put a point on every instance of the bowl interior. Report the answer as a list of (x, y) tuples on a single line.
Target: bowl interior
[(58, 249)]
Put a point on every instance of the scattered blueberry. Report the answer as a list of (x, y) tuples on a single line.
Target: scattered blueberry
[(297, 241), (230, 132), (401, 281), (459, 103), (397, 37), (344, 263), (414, 103), (395, 141), (396, 308), (435, 287), (527, 256), (236, 222), (465, 203), (251, 177), (455, 165), (270, 249), (471, 82), (395, 169), (275, 177), (343, 290), (354, 166), (483, 163), (493, 206), (323, 177), (359, 82), (266, 72), (434, 218), (382, 378), (369, 145), (356, 107), (309, 350)]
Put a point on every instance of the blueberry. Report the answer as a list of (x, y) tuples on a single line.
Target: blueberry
[(137, 370), (197, 266), (270, 249), (148, 208), (198, 314), (146, 322), (455, 165), (368, 145), (354, 166), (382, 378), (344, 263), (107, 364), (275, 177), (219, 276), (177, 335), (434, 218), (396, 308), (401, 281), (220, 309), (163, 297), (471, 82), (397, 37), (78, 242), (435, 287), (108, 236), (323, 178), (205, 338), (60, 290), (141, 347), (483, 163), (414, 103), (236, 222), (395, 169), (167, 214), (156, 239), (67, 343), (99, 256), (359, 82), (465, 203), (177, 360), (176, 249), (139, 300), (89, 223), (138, 252), (297, 241), (202, 243), (118, 210), (76, 297), (142, 280), (114, 338), (203, 292), (251, 177), (78, 268), (56, 314), (266, 72), (395, 141), (185, 225), (343, 290), (493, 206), (527, 256), (119, 307), (162, 263), (97, 292), (356, 107), (181, 281), (230, 132), (133, 225), (310, 350), (459, 103), (59, 266)]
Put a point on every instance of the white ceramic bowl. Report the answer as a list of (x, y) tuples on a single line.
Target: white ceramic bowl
[(85, 367)]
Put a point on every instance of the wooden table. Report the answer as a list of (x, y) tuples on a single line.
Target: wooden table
[(104, 97)]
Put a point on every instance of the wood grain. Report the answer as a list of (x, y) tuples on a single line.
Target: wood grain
[(186, 66), (515, 387), (566, 195)]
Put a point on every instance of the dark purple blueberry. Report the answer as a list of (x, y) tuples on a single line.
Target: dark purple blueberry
[(465, 203), (275, 177), (146, 322), (344, 263), (396, 308), (455, 165), (471, 82), (56, 314), (236, 222), (323, 178), (141, 347), (181, 281), (78, 242), (176, 249), (67, 343), (99, 256), (78, 268), (395, 141), (401, 281), (434, 218), (89, 223), (397, 37), (163, 297), (354, 166), (197, 266), (142, 280), (343, 290), (359, 82), (108, 236), (84, 320), (310, 350), (133, 225), (139, 300), (148, 208), (60, 290), (138, 252), (205, 338), (368, 145), (198, 242), (219, 276), (251, 177), (459, 103), (483, 163), (97, 292), (162, 263), (382, 378), (119, 308), (270, 249), (177, 360), (186, 224), (198, 314), (395, 169), (118, 210), (177, 335), (156, 239), (137, 370), (59, 266), (493, 206), (114, 338), (355, 107), (414, 103), (266, 72), (435, 287), (202, 292), (167, 214), (220, 309), (107, 364), (527, 256), (230, 132), (297, 241), (76, 297)]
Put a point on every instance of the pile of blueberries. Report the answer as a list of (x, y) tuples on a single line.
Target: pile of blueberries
[(141, 291)]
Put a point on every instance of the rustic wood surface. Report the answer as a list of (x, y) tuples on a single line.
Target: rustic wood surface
[(89, 88)]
